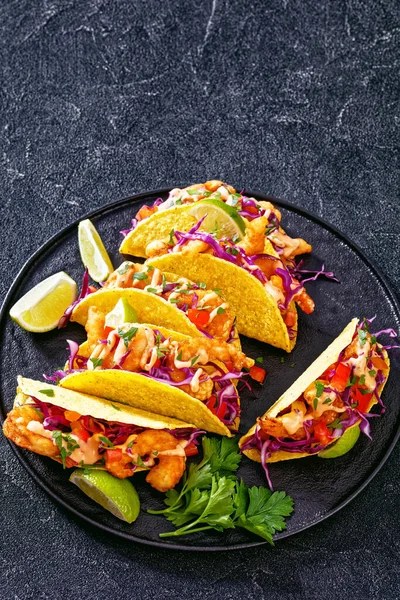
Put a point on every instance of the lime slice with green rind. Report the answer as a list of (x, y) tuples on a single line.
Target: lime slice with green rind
[(40, 309), (221, 218), (118, 496), (93, 253), (123, 312), (343, 445)]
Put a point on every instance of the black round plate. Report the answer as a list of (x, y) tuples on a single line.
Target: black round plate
[(319, 487)]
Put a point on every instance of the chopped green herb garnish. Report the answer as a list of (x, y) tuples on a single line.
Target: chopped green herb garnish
[(173, 300), (171, 237), (194, 360), (106, 442), (202, 285), (362, 336), (319, 386), (60, 439), (96, 362), (115, 407), (361, 381), (155, 452), (161, 352), (140, 275), (152, 290), (365, 392), (372, 372), (220, 311), (163, 281), (335, 425), (217, 291), (179, 357), (351, 381), (127, 336), (270, 229), (315, 403), (140, 463), (235, 238), (292, 365), (48, 392), (178, 202), (260, 360), (124, 268), (327, 401), (131, 443), (233, 251)]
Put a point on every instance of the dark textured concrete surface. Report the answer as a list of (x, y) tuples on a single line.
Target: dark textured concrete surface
[(100, 99)]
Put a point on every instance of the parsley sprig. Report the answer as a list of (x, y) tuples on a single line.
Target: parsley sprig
[(212, 497)]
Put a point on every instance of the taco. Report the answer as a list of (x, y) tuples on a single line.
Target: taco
[(82, 430), (163, 299), (261, 288), (154, 224), (162, 371), (334, 394)]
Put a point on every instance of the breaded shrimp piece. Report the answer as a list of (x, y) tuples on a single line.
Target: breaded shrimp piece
[(170, 468), (15, 428), (254, 239), (208, 350)]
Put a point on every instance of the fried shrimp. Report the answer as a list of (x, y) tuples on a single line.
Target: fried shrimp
[(168, 454), (207, 350), (157, 248), (254, 239), (16, 429)]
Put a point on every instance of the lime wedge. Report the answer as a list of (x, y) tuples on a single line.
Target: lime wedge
[(93, 253), (343, 445), (42, 307), (221, 217), (122, 313), (118, 496)]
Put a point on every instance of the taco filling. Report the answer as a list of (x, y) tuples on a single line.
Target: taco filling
[(204, 308), (122, 449), (203, 368), (340, 398), (248, 208)]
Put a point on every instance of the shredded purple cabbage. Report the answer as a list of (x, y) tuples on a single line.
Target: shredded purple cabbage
[(85, 291)]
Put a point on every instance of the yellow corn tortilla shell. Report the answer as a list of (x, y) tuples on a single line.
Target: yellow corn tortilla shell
[(94, 406), (157, 227), (311, 374), (149, 308), (144, 393), (258, 315)]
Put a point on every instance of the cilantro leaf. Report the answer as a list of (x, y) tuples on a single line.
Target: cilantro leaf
[(319, 386), (48, 392), (96, 362), (220, 311), (105, 441), (127, 336), (140, 275)]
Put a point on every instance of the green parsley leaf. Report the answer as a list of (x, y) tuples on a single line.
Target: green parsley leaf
[(282, 359), (127, 336), (140, 275), (362, 336), (96, 362), (220, 310), (124, 267), (319, 386), (106, 442), (266, 512), (48, 392)]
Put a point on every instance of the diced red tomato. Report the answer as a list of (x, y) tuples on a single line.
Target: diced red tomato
[(321, 433), (257, 373), (157, 363), (290, 318), (107, 331), (379, 363), (341, 377), (191, 449), (82, 434), (92, 289), (363, 400), (229, 365), (219, 411), (252, 209), (114, 454), (146, 211), (198, 317)]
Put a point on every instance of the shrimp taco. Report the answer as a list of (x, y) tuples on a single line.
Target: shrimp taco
[(153, 224), (163, 299), (82, 430), (262, 288), (334, 394), (193, 379)]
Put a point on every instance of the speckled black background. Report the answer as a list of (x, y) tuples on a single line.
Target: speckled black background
[(102, 99)]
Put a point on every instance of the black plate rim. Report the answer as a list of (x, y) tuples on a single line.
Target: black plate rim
[(101, 211)]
